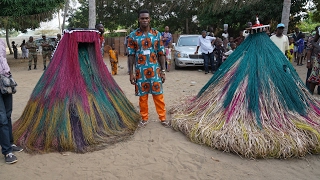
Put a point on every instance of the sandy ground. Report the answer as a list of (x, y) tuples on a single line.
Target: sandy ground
[(154, 152)]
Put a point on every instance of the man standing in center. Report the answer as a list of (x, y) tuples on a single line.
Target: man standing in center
[(146, 51)]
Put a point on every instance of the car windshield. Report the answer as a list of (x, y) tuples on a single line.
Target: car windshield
[(188, 41)]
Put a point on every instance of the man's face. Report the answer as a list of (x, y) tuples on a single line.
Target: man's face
[(297, 30), (100, 28), (204, 34), (231, 39), (144, 20), (44, 37), (280, 31), (30, 39), (166, 28), (249, 24), (59, 36)]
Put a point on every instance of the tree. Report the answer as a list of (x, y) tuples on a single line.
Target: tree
[(33, 11), (269, 13), (92, 14), (286, 14)]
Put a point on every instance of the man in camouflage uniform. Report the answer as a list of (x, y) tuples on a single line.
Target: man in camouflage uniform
[(32, 47), (46, 50)]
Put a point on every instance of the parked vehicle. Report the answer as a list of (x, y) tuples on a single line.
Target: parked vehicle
[(184, 52)]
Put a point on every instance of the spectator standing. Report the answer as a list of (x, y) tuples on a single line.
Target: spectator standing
[(228, 53), (24, 50), (280, 40), (57, 40), (291, 49), (205, 42), (296, 36), (100, 28), (6, 137), (113, 54), (210, 32), (46, 50), (218, 52), (167, 40), (15, 50), (239, 39), (313, 62), (32, 47), (300, 50)]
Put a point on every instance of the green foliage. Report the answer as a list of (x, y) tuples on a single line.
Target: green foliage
[(23, 14), (269, 12), (20, 8), (189, 16), (175, 14), (308, 25)]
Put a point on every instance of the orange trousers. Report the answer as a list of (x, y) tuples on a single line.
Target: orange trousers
[(158, 102)]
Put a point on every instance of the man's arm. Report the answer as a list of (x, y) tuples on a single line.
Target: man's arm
[(198, 45), (162, 62), (197, 50), (131, 63)]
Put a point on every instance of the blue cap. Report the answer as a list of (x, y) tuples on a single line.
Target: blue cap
[(281, 25)]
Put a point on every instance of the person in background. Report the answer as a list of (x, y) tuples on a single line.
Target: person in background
[(300, 50), (210, 31), (32, 47), (15, 50), (313, 62), (231, 40), (291, 49), (228, 53), (100, 28), (168, 57), (113, 54), (280, 40), (57, 40), (167, 40), (239, 39), (24, 50), (218, 52), (296, 36), (205, 42), (6, 137), (46, 50)]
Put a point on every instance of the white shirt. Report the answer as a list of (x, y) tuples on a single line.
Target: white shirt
[(205, 44), (281, 42), (225, 35)]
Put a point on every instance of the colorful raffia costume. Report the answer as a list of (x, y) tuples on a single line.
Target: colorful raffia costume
[(255, 105), (76, 105)]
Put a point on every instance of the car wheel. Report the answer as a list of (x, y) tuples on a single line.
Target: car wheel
[(176, 67)]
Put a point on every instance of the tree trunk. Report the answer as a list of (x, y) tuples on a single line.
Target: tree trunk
[(66, 7), (92, 14), (59, 20), (187, 26), (7, 39), (286, 14)]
